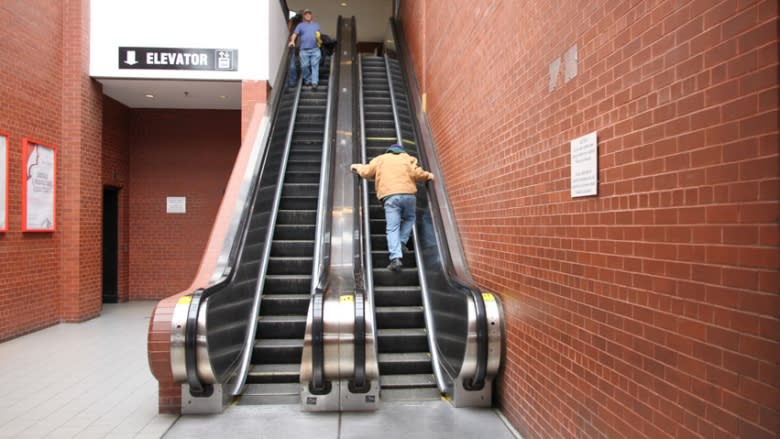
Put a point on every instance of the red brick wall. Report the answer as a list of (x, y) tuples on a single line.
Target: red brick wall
[(180, 153), (650, 310), (30, 103), (80, 219), (116, 174)]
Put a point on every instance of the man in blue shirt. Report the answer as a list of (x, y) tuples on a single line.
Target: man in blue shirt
[(309, 33)]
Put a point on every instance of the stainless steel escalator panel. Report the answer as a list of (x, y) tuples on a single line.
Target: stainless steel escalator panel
[(340, 296)]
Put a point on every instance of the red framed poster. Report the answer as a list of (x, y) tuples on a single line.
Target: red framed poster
[(39, 186), (4, 181)]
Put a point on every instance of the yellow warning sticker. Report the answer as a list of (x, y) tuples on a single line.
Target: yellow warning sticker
[(184, 300), (347, 298), (488, 297)]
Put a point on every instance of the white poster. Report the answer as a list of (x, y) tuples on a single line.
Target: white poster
[(584, 166), (176, 204), (3, 183), (39, 186)]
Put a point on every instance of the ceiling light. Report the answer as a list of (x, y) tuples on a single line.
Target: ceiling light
[(344, 4), (149, 95)]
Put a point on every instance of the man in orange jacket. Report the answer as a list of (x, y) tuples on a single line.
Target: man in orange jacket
[(396, 174)]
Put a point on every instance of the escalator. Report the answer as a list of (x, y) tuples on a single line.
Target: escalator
[(243, 335), (276, 358), (403, 352)]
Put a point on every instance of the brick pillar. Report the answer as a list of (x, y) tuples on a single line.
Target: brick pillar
[(80, 216), (252, 92)]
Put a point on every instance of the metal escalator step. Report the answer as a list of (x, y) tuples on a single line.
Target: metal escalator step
[(407, 277), (300, 189), (402, 340), (271, 393), (294, 231), (296, 216), (295, 203), (288, 283), (397, 296), (407, 381), (405, 363), (289, 264), (276, 304), (279, 343), (400, 316), (292, 248), (277, 350), (274, 373), (282, 328), (303, 177), (410, 394)]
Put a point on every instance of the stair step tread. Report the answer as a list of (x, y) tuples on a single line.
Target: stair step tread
[(283, 318), (407, 380), (279, 343), (273, 389), (398, 309), (275, 369), (401, 331), (403, 357)]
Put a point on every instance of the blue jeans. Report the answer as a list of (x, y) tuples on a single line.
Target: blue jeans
[(292, 72), (399, 216), (310, 65)]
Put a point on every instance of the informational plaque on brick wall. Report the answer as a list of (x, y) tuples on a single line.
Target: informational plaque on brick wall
[(39, 186), (3, 182), (176, 205), (584, 166)]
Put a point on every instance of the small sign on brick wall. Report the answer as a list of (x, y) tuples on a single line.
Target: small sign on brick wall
[(584, 166), (176, 205)]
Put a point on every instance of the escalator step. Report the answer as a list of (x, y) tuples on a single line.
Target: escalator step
[(288, 283), (292, 248), (405, 363), (402, 340), (296, 217), (284, 326), (276, 304), (274, 373), (271, 393), (289, 265), (400, 317), (294, 231), (397, 296), (283, 350), (407, 381)]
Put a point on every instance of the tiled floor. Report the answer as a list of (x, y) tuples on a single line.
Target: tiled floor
[(92, 380), (85, 380)]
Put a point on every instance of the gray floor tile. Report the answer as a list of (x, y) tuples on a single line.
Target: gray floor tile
[(100, 386)]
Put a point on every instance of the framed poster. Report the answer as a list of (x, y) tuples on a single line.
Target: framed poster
[(39, 185), (3, 181)]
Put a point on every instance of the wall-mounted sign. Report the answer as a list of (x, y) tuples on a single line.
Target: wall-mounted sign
[(160, 58), (584, 166), (39, 186), (3, 182), (176, 205)]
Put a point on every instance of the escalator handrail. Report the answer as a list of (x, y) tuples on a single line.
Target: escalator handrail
[(455, 265), (233, 243)]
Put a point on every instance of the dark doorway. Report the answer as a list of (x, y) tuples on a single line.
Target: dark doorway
[(110, 244)]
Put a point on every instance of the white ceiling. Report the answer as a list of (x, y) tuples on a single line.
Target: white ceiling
[(371, 16)]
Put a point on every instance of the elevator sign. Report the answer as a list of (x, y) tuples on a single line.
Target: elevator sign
[(157, 58)]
